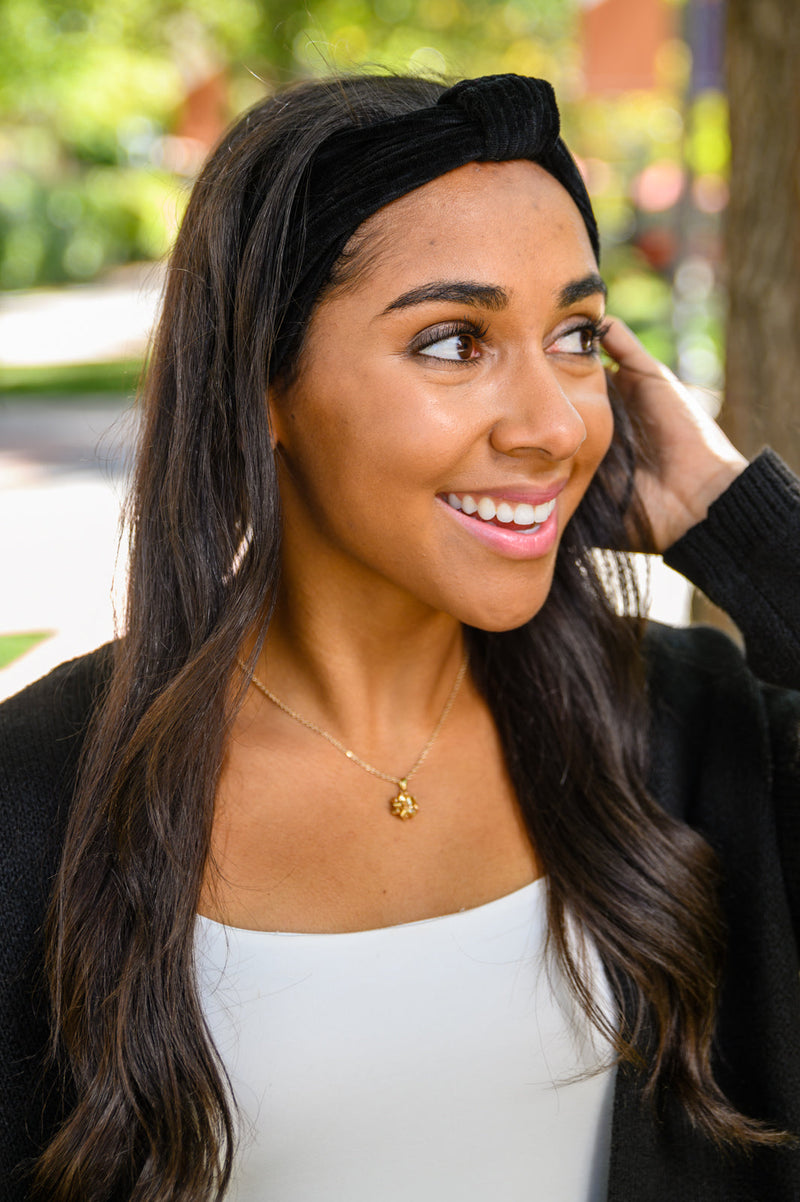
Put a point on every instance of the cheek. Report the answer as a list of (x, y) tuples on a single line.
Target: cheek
[(375, 425), (595, 409), (605, 427)]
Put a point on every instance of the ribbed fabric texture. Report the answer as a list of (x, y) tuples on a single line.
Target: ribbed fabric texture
[(725, 758), (733, 553), (41, 734)]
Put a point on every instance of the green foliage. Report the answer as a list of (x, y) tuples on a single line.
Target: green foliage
[(92, 90), (708, 148), (12, 646), (64, 381), (72, 225)]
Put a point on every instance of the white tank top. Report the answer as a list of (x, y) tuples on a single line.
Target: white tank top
[(426, 1062)]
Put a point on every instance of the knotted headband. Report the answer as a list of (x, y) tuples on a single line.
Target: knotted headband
[(358, 170)]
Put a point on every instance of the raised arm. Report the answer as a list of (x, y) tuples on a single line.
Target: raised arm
[(733, 529)]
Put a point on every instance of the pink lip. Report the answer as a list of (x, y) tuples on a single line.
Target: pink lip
[(513, 544), (518, 495)]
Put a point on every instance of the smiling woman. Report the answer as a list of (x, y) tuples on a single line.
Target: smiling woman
[(385, 496)]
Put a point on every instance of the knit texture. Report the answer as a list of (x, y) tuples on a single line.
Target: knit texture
[(725, 758), (41, 734)]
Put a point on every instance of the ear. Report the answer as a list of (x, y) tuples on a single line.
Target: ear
[(274, 412)]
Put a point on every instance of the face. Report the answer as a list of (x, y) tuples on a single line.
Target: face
[(450, 407)]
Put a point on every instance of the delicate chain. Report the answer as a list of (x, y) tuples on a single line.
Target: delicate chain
[(351, 755)]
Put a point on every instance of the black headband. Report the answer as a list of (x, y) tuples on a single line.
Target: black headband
[(358, 170)]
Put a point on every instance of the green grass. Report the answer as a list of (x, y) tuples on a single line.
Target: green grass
[(12, 646), (72, 379)]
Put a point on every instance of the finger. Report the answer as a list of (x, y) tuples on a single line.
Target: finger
[(627, 351)]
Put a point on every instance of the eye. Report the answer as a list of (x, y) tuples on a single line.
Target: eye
[(582, 340), (452, 342), (457, 346)]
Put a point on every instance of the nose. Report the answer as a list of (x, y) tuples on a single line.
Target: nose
[(536, 414)]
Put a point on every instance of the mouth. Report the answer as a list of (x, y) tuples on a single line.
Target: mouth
[(515, 523), (519, 516)]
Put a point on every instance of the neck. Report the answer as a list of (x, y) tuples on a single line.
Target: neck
[(373, 674)]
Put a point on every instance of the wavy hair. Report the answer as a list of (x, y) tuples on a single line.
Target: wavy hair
[(152, 1119)]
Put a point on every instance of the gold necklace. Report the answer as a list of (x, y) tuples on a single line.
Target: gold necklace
[(403, 805)]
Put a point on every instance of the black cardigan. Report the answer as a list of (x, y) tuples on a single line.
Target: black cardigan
[(726, 759)]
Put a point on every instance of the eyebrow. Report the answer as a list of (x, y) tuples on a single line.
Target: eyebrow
[(579, 290), (491, 296), (462, 292)]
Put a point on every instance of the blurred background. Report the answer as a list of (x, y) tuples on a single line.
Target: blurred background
[(683, 115)]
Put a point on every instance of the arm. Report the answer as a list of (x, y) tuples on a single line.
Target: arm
[(746, 557), (733, 530)]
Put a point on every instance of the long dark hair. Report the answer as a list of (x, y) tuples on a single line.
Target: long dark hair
[(153, 1118)]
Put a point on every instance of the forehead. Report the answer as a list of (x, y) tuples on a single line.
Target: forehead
[(493, 217)]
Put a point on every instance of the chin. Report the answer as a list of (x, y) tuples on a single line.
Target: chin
[(496, 618), (501, 625)]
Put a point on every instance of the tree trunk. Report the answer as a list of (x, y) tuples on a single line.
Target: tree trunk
[(763, 227)]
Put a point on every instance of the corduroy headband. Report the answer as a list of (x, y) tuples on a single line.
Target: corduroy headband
[(357, 171)]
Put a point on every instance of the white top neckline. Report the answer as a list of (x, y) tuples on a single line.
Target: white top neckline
[(491, 909)]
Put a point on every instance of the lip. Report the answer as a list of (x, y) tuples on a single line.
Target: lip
[(514, 494), (513, 544)]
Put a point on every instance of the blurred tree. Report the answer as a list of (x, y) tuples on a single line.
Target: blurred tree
[(763, 229), (108, 106), (104, 102)]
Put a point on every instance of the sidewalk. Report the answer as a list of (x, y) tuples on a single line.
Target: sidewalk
[(81, 323), (60, 502), (63, 466)]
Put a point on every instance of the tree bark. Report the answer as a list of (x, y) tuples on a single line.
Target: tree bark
[(763, 227)]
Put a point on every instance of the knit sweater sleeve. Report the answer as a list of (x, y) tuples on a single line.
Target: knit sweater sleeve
[(746, 557)]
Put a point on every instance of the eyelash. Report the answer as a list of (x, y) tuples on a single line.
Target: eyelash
[(451, 329), (597, 329), (464, 327)]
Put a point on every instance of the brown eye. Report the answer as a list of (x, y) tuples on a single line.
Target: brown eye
[(452, 348), (582, 341)]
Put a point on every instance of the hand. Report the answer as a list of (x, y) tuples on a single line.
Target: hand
[(690, 462)]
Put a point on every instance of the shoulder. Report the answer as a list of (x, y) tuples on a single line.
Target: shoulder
[(687, 666), (693, 673), (684, 663), (53, 710), (41, 735), (42, 732), (702, 648), (715, 726)]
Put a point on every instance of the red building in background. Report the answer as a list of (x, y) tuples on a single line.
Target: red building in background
[(621, 40)]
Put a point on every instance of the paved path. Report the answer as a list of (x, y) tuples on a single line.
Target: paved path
[(63, 467), (62, 483), (81, 323)]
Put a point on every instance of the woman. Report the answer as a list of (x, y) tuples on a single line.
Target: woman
[(376, 672)]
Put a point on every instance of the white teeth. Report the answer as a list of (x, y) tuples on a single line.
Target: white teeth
[(521, 514), (524, 515)]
